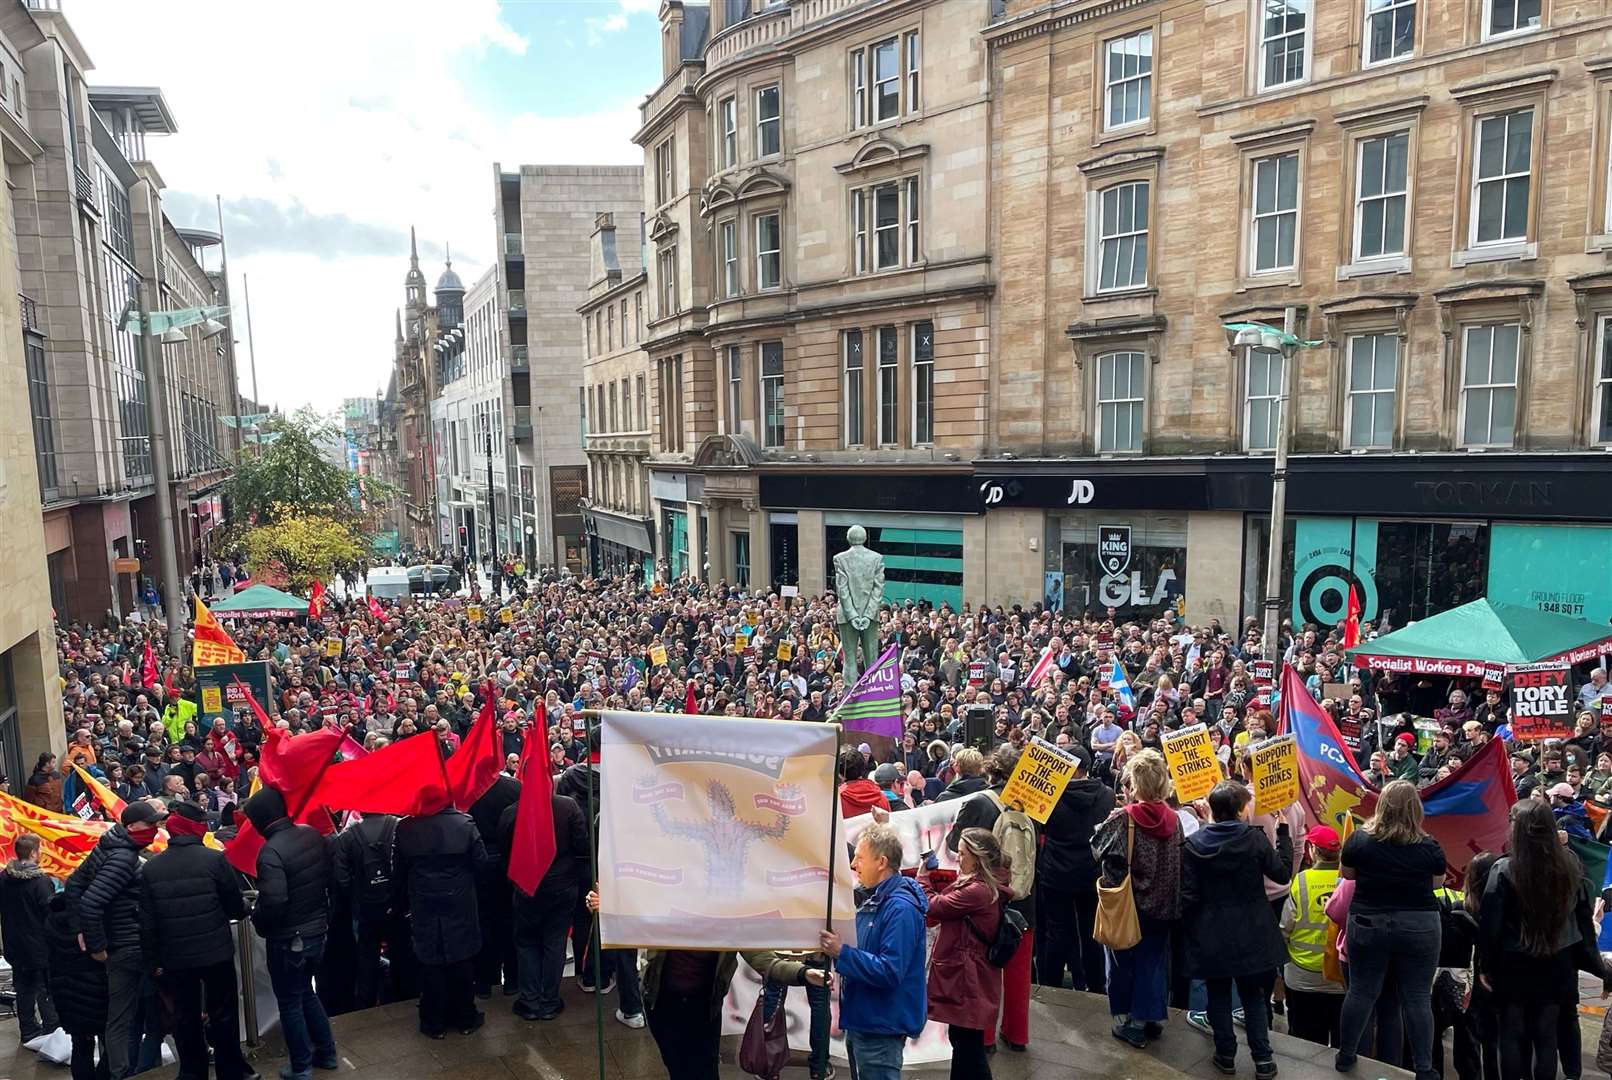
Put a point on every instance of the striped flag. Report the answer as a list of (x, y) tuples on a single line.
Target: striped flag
[(873, 707), (1043, 665)]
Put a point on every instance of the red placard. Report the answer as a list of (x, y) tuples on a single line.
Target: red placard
[(1542, 701)]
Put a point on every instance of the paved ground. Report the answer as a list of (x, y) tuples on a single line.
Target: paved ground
[(1069, 1039)]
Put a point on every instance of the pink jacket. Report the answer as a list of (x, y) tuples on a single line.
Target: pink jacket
[(1338, 912)]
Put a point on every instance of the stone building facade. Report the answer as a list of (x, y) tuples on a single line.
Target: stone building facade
[(815, 180), (616, 378), (1423, 186)]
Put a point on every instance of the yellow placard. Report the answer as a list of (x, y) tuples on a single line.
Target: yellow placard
[(211, 654), (1038, 780), (1276, 773), (473, 613), (786, 651), (506, 616), (657, 655), (1193, 765), (333, 647), (741, 642), (212, 699)]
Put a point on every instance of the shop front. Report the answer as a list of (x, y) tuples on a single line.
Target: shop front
[(620, 546), (677, 498)]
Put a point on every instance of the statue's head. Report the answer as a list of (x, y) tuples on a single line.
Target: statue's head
[(856, 536)]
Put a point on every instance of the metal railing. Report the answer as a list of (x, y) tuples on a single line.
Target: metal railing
[(517, 302), (512, 244), (523, 421), (30, 313), (86, 185), (519, 358)]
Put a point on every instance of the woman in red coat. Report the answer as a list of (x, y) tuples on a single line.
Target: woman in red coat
[(965, 991)]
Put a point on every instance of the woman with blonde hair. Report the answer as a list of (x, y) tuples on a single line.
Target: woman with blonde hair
[(1394, 929), (1147, 828), (965, 989)]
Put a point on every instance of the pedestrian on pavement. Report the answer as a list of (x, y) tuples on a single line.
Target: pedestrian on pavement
[(438, 858), (541, 920), (188, 896), (25, 895), (293, 916), (104, 901), (1230, 932), (1066, 883), (883, 993)]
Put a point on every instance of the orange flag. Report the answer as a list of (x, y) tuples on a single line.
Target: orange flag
[(104, 795), (213, 644)]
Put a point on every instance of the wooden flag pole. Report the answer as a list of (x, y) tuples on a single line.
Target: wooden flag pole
[(593, 932), (833, 840)]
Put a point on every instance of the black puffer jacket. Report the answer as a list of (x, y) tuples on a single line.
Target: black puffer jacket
[(77, 979), (102, 897), (1065, 863), (25, 896), (293, 882), (439, 857), (188, 895), (570, 866)]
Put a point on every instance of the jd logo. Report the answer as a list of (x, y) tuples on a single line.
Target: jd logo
[(1114, 548), (993, 493), (1081, 492)]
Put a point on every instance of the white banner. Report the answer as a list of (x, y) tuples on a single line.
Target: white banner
[(921, 829), (714, 833)]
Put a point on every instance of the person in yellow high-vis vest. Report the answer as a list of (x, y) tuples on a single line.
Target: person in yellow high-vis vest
[(1313, 1001)]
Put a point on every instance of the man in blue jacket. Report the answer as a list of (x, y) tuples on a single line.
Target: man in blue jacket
[(883, 998)]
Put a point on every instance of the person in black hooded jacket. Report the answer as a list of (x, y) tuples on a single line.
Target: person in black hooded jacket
[(188, 896), (293, 915), (104, 903), (1066, 883), (496, 961), (77, 986), (439, 856), (25, 896), (1230, 932)]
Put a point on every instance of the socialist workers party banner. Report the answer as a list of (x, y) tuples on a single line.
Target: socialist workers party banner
[(1542, 701), (715, 833), (1192, 761)]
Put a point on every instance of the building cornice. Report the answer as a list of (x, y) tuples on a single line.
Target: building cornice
[(1055, 16)]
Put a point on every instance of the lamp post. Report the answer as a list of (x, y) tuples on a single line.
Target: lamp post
[(492, 512), (1259, 338)]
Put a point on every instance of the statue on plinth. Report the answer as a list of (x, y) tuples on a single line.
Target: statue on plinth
[(859, 585)]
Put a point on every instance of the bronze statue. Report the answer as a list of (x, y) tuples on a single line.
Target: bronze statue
[(859, 585)]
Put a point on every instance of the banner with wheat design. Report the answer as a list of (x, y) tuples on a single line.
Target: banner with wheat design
[(714, 833)]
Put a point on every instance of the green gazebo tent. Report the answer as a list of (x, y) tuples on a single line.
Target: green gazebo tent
[(261, 602), (1464, 640)]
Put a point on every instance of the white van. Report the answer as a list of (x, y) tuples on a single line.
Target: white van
[(387, 583)]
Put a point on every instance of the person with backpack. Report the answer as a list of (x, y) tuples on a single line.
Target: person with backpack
[(363, 857), (965, 987), (1066, 882), (1230, 933), (1015, 833)]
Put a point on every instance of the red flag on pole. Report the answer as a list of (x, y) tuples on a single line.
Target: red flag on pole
[(691, 704), (316, 600), (148, 667), (375, 608), (473, 769), (293, 766), (407, 778), (1351, 620), (532, 848)]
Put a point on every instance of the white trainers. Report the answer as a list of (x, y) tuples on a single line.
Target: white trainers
[(636, 1020)]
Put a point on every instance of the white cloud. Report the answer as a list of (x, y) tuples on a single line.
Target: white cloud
[(341, 134)]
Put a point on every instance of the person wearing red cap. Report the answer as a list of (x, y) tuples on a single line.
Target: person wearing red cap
[(1403, 763), (1313, 1001)]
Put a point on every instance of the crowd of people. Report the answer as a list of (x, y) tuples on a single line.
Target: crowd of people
[(1241, 918)]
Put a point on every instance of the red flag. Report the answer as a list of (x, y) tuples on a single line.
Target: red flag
[(168, 688), (148, 667), (375, 608), (691, 704), (1351, 621), (532, 848), (316, 601), (293, 766), (408, 778), (472, 770)]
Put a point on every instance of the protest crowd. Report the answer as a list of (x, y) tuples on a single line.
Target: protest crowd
[(1348, 934)]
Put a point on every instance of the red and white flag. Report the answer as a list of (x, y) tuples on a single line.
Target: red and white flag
[(375, 608), (316, 600), (1042, 666)]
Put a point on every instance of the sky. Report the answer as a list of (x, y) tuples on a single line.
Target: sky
[(330, 129)]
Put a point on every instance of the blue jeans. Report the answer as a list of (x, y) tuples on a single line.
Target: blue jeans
[(875, 1057), (303, 1022), (1139, 977), (1253, 989), (1198, 996), (817, 999)]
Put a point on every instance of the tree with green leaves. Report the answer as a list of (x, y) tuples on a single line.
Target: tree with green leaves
[(301, 548), (291, 475)]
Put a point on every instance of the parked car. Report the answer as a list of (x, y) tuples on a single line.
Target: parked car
[(434, 579)]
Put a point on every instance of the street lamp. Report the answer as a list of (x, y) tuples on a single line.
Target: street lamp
[(492, 512), (1259, 338)]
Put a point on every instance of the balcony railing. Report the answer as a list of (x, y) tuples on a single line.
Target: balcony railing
[(30, 313), (523, 421), (517, 303), (518, 358), (86, 185), (512, 244)]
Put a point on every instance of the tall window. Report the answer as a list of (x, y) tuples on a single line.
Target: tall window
[(615, 424), (1489, 384), (886, 226), (1276, 212), (772, 394), (642, 394), (1373, 377), (1502, 17), (889, 385), (666, 268), (912, 219), (1601, 421), (769, 252), (913, 64), (851, 379), (728, 113), (1284, 29), (886, 81), (1390, 30), (1262, 407), (891, 239), (859, 231), (1122, 236), (859, 87), (1119, 402), (769, 135), (735, 388), (729, 233), (663, 170), (638, 315), (1380, 189), (923, 383), (39, 400), (1128, 79), (1500, 177), (610, 328), (741, 559)]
